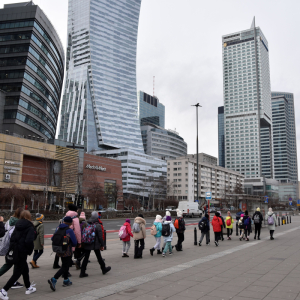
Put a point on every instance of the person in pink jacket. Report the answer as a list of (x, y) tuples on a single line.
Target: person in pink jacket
[(75, 224)]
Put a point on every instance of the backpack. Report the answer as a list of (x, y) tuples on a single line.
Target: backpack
[(270, 220), (240, 224), (256, 219), (153, 230), (12, 255), (228, 222), (88, 234), (166, 230), (247, 221), (136, 228), (176, 224), (5, 241), (123, 232), (60, 241), (202, 225)]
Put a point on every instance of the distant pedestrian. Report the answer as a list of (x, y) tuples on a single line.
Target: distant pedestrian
[(126, 240), (257, 220), (241, 227), (139, 235), (247, 225), (271, 219), (158, 225), (204, 226), (229, 225), (39, 241), (168, 213), (223, 221), (179, 225), (238, 216), (217, 227), (167, 232)]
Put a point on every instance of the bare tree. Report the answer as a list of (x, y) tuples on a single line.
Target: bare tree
[(114, 193), (11, 195)]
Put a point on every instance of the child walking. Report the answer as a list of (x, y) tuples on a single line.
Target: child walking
[(39, 241), (229, 225), (158, 224), (241, 226), (167, 232), (126, 240)]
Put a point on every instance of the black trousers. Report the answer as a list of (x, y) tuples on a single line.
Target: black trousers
[(229, 232), (257, 229), (217, 236), (180, 240), (139, 246), (247, 232), (64, 270), (271, 233), (19, 269), (86, 259)]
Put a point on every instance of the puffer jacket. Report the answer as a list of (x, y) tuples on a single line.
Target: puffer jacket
[(10, 225), (260, 217), (39, 241), (271, 227), (75, 224), (128, 230), (217, 224), (158, 225), (98, 243), (172, 229), (228, 218), (142, 234)]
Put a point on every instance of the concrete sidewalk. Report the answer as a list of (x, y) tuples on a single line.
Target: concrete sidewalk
[(235, 270)]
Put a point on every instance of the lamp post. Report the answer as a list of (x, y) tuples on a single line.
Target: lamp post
[(197, 105)]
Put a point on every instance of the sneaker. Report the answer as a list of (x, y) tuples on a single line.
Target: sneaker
[(255, 237), (30, 290), (151, 251), (170, 253), (77, 265), (105, 270), (240, 239), (17, 285), (67, 282), (258, 238), (163, 255), (3, 295), (228, 238), (52, 283), (199, 244), (216, 243), (126, 255), (207, 244)]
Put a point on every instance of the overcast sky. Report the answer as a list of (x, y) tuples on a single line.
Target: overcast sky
[(180, 44)]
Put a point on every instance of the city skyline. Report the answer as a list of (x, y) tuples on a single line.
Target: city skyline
[(203, 61)]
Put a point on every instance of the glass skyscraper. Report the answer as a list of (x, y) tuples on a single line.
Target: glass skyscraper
[(247, 103), (221, 136)]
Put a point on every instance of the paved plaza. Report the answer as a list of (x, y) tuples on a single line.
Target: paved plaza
[(235, 270)]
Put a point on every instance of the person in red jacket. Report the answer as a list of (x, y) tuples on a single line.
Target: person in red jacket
[(126, 240), (217, 227)]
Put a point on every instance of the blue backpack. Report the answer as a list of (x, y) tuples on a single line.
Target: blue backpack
[(247, 221)]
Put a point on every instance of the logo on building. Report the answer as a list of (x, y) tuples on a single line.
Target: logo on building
[(98, 168)]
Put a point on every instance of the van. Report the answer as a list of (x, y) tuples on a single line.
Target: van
[(190, 209)]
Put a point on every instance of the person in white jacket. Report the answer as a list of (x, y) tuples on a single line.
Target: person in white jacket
[(271, 220), (168, 238)]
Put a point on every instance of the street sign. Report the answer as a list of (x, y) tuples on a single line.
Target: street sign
[(266, 199), (208, 195), (298, 202)]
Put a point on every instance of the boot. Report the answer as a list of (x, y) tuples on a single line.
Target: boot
[(105, 270), (83, 274), (158, 251), (151, 251), (33, 264)]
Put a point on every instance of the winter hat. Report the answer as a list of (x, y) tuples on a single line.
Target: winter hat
[(168, 213), (168, 218), (72, 207), (258, 209), (158, 217), (141, 216), (246, 212), (39, 217), (127, 220), (179, 213), (68, 220), (94, 214), (270, 209), (82, 215), (242, 215)]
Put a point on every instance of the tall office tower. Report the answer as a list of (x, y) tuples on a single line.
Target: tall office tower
[(151, 111), (31, 71), (99, 106), (247, 102), (221, 136), (284, 137)]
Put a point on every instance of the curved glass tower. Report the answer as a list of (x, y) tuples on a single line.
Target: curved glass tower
[(99, 107)]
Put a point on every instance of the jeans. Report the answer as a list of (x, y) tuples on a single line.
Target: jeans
[(64, 270), (167, 247), (20, 268), (229, 232), (206, 234), (217, 236), (37, 254), (5, 268), (126, 246), (180, 240), (157, 245), (138, 250), (257, 229), (86, 259)]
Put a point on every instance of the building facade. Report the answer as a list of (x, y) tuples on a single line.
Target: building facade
[(247, 103), (182, 180), (31, 71), (151, 111), (221, 137), (162, 143)]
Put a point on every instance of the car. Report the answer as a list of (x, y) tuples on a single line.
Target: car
[(111, 209)]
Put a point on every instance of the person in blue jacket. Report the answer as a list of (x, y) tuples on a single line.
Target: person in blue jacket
[(66, 256), (158, 225), (205, 230)]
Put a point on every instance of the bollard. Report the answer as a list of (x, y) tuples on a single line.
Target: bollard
[(287, 219), (278, 221), (104, 239), (237, 228), (290, 219), (195, 236), (281, 220)]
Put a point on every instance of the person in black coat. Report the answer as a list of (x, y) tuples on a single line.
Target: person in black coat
[(221, 233), (22, 242), (204, 231), (257, 219)]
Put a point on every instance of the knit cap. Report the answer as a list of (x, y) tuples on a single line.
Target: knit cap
[(127, 220), (39, 217), (94, 214), (179, 213), (168, 218), (68, 220), (72, 207), (158, 217), (168, 213), (82, 215), (258, 209)]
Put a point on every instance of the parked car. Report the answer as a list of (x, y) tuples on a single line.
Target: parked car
[(111, 209)]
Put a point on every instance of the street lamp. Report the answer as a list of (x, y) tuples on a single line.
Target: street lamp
[(197, 105)]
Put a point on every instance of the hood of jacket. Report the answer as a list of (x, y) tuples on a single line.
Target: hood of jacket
[(216, 218), (71, 214), (63, 225), (23, 224), (13, 221), (140, 220), (93, 220)]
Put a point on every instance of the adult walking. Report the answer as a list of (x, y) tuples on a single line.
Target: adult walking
[(139, 235), (97, 244), (217, 227), (158, 225), (204, 226), (257, 220), (179, 225), (229, 225), (247, 225), (21, 244), (39, 241), (271, 219)]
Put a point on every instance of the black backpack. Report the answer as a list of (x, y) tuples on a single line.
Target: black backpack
[(202, 225), (166, 230), (60, 241), (12, 256)]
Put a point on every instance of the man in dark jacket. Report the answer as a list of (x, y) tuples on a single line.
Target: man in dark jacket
[(204, 223), (257, 219), (247, 225), (97, 246), (21, 242)]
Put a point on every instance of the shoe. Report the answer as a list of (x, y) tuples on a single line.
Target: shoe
[(240, 239), (52, 283), (123, 255), (77, 265), (37, 266), (258, 238), (199, 244), (255, 237), (56, 267), (228, 238), (170, 253), (17, 285), (3, 295), (159, 252), (67, 282), (82, 275), (151, 251), (107, 269), (216, 243), (222, 240), (30, 290), (172, 248), (163, 255), (247, 239), (207, 244), (33, 264), (272, 238)]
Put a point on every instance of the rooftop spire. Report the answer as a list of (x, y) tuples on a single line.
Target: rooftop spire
[(253, 23)]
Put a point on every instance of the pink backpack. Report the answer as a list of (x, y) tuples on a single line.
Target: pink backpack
[(123, 232)]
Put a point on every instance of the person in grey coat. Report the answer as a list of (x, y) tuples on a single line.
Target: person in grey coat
[(97, 246), (271, 225)]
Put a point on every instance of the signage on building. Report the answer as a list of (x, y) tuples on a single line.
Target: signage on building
[(12, 162), (98, 168)]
